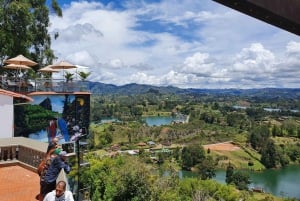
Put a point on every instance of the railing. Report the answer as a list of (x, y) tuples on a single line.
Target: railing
[(44, 85), (29, 153), (59, 85), (24, 150)]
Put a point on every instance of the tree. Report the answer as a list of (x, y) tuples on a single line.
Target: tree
[(229, 173), (192, 155), (121, 178), (207, 168), (258, 137), (83, 75), (276, 131), (69, 76), (241, 180), (24, 29), (269, 155)]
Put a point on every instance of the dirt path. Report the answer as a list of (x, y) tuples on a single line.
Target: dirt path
[(223, 146)]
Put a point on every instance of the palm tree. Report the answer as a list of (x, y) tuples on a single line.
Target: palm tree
[(83, 75), (69, 76)]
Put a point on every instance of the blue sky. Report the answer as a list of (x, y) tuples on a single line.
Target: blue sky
[(187, 43)]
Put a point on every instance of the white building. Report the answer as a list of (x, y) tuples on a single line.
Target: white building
[(7, 111)]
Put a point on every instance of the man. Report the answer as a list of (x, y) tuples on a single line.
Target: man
[(52, 173), (60, 193), (44, 166)]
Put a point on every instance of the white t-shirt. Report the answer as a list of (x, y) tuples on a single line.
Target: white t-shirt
[(67, 196)]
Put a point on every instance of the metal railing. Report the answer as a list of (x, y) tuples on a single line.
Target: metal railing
[(44, 85)]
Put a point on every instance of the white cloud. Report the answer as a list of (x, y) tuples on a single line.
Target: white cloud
[(188, 44), (255, 60)]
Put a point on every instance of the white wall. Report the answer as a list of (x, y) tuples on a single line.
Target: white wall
[(6, 116)]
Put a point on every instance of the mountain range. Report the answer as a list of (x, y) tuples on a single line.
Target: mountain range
[(98, 88)]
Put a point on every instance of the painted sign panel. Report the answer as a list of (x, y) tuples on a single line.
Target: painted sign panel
[(65, 116)]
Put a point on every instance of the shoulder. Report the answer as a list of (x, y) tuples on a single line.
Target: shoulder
[(50, 196), (69, 195)]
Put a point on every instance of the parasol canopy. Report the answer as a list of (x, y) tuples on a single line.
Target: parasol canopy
[(16, 67), (48, 69), (21, 60), (62, 65)]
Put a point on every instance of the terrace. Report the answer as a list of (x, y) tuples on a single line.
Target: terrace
[(19, 158), (43, 85)]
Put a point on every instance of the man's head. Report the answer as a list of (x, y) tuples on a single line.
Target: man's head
[(55, 140), (60, 188), (63, 155)]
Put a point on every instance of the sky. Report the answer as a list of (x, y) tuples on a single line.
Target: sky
[(181, 43)]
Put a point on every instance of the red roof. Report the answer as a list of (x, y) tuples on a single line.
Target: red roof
[(15, 95)]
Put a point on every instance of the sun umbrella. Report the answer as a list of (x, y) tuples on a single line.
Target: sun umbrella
[(62, 65), (21, 60), (48, 69), (16, 66)]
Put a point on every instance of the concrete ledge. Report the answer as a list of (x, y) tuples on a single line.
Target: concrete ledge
[(26, 142), (18, 163)]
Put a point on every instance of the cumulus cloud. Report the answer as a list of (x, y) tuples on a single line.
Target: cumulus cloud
[(198, 64), (255, 60), (188, 44)]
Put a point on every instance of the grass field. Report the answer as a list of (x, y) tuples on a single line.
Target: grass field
[(285, 140), (239, 157)]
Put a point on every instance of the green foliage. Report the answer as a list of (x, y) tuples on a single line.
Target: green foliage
[(24, 30), (207, 168), (241, 180), (123, 178), (269, 156), (69, 76), (128, 178), (84, 75), (229, 174), (258, 137), (192, 155)]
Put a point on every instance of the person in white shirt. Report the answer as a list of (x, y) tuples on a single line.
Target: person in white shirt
[(60, 193)]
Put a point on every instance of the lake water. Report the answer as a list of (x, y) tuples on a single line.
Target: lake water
[(281, 182), (159, 120)]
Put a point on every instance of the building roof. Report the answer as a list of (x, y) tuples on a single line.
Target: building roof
[(56, 93), (281, 13), (15, 95)]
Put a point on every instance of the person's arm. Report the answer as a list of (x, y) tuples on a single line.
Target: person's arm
[(67, 167)]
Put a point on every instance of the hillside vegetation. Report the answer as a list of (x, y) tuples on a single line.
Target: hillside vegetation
[(265, 138)]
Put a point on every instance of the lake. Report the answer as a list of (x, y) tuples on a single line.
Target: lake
[(165, 120), (159, 120), (283, 182)]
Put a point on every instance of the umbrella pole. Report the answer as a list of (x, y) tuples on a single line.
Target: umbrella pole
[(64, 81)]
